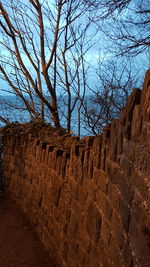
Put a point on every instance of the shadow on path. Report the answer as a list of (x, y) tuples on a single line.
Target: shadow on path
[(19, 244)]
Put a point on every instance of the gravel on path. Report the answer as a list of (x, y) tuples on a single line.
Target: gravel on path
[(19, 244)]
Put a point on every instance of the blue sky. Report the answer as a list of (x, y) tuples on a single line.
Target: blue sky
[(97, 52)]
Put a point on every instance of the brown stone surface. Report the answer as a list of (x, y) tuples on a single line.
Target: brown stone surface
[(19, 244), (89, 200)]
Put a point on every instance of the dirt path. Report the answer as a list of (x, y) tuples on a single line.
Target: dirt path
[(19, 244)]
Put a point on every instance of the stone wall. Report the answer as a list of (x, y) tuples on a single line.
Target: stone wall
[(89, 201)]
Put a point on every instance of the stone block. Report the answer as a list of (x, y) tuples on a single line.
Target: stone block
[(90, 165), (103, 254), (117, 230), (55, 194), (105, 232), (88, 141), (114, 253), (128, 150), (119, 140), (86, 162), (83, 239), (127, 254), (97, 151), (73, 188), (73, 168), (127, 113), (101, 180), (124, 213), (140, 230), (72, 226), (77, 208), (136, 123), (104, 205), (82, 257), (95, 261), (72, 257), (93, 222), (82, 196), (113, 139), (145, 97), (91, 188), (63, 248), (112, 170), (66, 193), (125, 165)]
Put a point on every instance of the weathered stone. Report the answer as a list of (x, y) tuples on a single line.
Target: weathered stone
[(56, 191), (103, 221), (113, 139), (73, 226), (88, 141), (125, 164), (140, 231), (145, 97), (104, 205), (94, 257), (127, 113), (111, 171), (119, 141), (93, 222), (101, 180), (128, 150), (105, 233), (136, 123), (97, 151)]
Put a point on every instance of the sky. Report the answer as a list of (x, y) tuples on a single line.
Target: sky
[(96, 53), (99, 52)]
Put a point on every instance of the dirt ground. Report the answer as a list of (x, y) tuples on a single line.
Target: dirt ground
[(19, 244)]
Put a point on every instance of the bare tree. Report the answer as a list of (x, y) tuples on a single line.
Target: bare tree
[(71, 53), (114, 84), (44, 47), (38, 45), (126, 27), (18, 40), (130, 33)]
